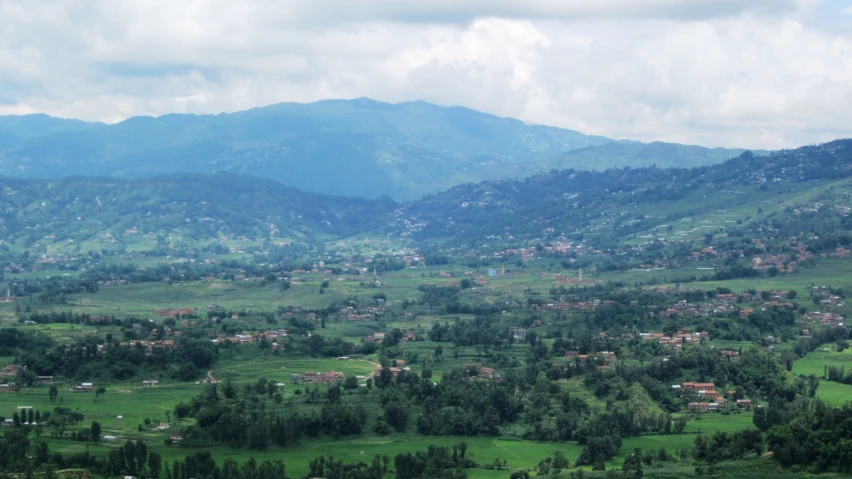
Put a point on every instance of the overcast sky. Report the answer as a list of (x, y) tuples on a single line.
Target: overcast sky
[(750, 73)]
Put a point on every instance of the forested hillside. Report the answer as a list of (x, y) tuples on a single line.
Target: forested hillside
[(608, 207), (194, 206)]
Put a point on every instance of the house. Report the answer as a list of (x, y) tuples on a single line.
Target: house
[(488, 374), (518, 333), (83, 388), (11, 370), (150, 383), (175, 437), (746, 403), (690, 386), (333, 377), (698, 407), (708, 395), (8, 388), (110, 438), (42, 380)]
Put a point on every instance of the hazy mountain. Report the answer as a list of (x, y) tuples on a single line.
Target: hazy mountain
[(354, 147), (15, 130)]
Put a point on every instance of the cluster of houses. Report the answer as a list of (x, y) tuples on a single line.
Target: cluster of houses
[(377, 338), (219, 337), (604, 357), (148, 346), (825, 319), (709, 399), (12, 371), (330, 377), (394, 370), (174, 312), (483, 373), (684, 336), (363, 313), (578, 305)]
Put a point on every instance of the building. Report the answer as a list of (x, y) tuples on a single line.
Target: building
[(310, 377), (698, 407), (150, 383), (489, 374), (10, 371), (518, 333), (84, 388), (746, 403), (8, 388)]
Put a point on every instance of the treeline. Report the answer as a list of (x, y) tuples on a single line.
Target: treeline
[(248, 417), (85, 361)]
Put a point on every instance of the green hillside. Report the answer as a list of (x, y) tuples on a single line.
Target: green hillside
[(161, 211), (758, 194)]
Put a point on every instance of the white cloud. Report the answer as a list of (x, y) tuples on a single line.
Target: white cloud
[(722, 72)]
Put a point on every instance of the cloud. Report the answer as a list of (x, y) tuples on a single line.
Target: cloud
[(718, 73)]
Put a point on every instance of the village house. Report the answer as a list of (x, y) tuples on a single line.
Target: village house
[(691, 386), (698, 407), (83, 388), (9, 371), (489, 374), (375, 338), (150, 383), (310, 377)]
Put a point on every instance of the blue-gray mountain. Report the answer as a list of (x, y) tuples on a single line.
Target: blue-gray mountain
[(352, 147)]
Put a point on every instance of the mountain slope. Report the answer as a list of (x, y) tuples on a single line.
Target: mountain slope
[(619, 154), (194, 207), (606, 208), (16, 130), (354, 147)]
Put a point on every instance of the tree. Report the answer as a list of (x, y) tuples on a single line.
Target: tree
[(439, 353), (100, 392), (53, 392), (333, 394), (96, 431), (350, 383), (154, 464)]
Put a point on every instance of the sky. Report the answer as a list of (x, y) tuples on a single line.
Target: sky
[(733, 73)]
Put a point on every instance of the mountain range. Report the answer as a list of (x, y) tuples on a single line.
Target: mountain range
[(358, 147), (785, 194)]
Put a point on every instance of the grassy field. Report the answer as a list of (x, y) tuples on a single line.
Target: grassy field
[(835, 273), (814, 363)]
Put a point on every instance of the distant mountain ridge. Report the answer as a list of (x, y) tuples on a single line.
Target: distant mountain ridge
[(358, 147)]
